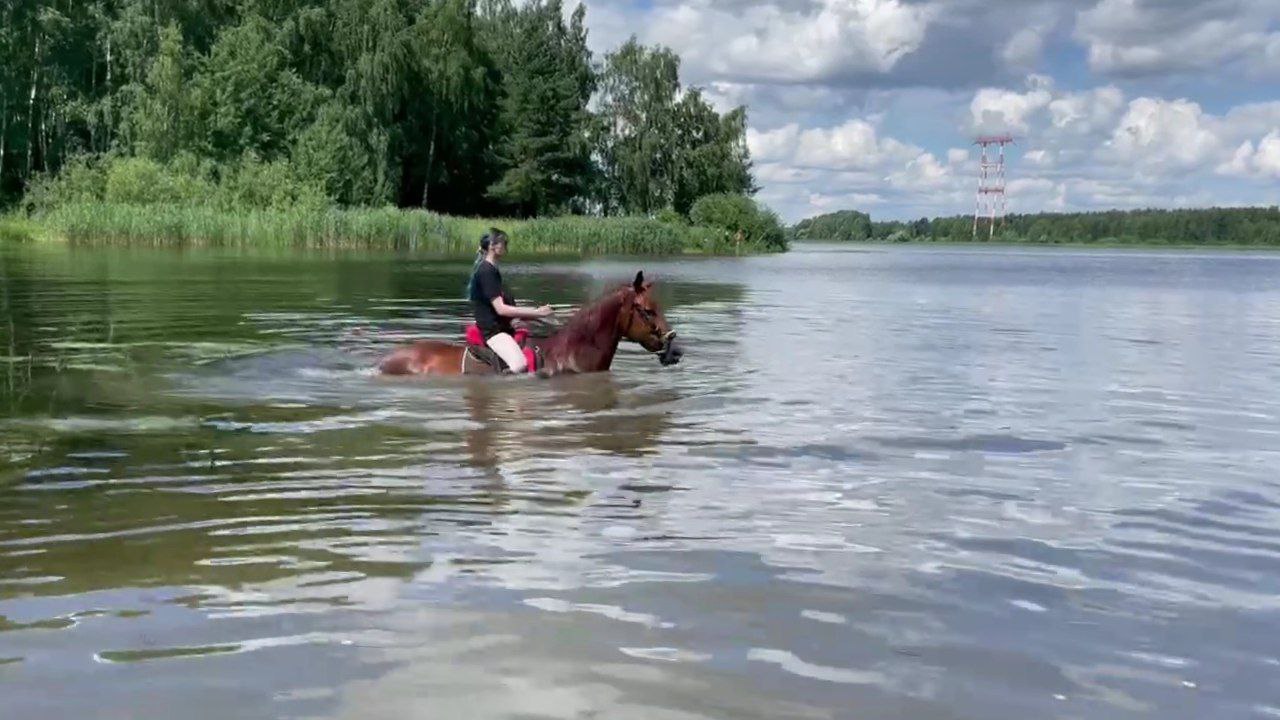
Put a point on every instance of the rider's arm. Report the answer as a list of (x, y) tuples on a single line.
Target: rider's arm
[(511, 311)]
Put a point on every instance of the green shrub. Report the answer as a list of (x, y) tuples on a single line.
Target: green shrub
[(671, 216), (82, 179), (248, 183), (740, 215), (141, 181), (251, 183)]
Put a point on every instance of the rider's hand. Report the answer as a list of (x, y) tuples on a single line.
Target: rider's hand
[(545, 311)]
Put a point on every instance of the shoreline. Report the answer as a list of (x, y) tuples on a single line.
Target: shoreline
[(17, 229), (364, 229), (1013, 244)]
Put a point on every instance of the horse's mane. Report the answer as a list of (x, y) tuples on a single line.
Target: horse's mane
[(588, 325)]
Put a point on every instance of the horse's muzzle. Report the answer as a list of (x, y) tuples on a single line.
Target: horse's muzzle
[(670, 353)]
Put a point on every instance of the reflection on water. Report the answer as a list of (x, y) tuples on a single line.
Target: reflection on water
[(900, 483)]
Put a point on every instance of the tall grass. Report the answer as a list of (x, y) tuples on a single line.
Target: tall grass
[(186, 225), (17, 229)]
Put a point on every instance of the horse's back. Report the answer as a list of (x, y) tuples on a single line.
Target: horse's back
[(423, 357)]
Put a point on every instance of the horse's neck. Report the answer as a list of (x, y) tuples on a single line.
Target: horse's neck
[(589, 342)]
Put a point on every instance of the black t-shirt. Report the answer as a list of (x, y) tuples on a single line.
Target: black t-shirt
[(487, 286)]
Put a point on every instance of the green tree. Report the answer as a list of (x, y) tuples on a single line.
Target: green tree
[(658, 145), (164, 119), (346, 153), (450, 107), (842, 226), (711, 152), (638, 91), (463, 106), (543, 121), (253, 99), (1148, 226)]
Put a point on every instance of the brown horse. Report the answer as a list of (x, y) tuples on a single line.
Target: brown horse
[(587, 343)]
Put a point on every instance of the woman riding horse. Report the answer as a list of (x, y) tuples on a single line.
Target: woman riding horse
[(494, 307), (587, 343)]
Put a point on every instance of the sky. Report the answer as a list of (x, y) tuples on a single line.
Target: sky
[(873, 105)]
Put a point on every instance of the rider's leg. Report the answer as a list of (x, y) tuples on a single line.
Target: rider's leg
[(509, 351)]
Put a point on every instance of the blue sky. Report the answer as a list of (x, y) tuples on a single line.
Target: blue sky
[(872, 104)]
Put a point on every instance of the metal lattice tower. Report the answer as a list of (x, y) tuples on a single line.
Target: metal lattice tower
[(991, 184)]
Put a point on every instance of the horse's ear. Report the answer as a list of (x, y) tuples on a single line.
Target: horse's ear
[(638, 285)]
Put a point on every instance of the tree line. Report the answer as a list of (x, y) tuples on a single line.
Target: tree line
[(474, 107), (1225, 226)]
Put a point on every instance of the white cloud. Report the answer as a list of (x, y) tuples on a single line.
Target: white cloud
[(1241, 163), (1025, 186), (779, 173), (1267, 158), (1260, 161), (855, 145), (1141, 37), (1253, 119), (1024, 47), (825, 202), (922, 173), (860, 42), (1039, 158), (851, 165), (1270, 61), (1171, 134), (1085, 149), (1087, 112), (996, 110), (773, 145), (1043, 111), (818, 41)]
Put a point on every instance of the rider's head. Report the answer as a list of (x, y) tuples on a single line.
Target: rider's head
[(494, 243)]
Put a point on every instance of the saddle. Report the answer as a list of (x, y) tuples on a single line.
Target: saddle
[(478, 350)]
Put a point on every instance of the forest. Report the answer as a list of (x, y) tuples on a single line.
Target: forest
[(460, 107), (1207, 226)]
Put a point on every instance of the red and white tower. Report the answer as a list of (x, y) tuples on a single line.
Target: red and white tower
[(991, 197)]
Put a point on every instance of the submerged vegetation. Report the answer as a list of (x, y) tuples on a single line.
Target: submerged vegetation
[(357, 122), (1209, 226)]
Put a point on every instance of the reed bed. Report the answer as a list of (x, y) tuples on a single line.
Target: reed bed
[(17, 229), (98, 223)]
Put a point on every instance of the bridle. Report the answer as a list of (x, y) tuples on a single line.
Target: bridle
[(648, 316)]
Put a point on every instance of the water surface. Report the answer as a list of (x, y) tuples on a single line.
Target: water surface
[(884, 483)]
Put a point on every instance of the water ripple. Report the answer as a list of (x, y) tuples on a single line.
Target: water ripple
[(984, 485)]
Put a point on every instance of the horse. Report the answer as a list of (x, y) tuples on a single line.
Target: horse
[(586, 343)]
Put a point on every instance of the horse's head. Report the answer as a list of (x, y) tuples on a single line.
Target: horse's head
[(644, 323)]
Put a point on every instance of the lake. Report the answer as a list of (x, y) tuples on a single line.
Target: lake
[(884, 483)]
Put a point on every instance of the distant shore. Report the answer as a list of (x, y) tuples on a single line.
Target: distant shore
[(1064, 244), (1250, 227)]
